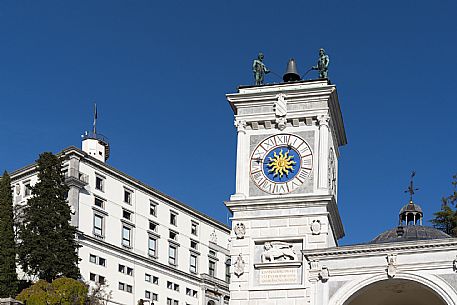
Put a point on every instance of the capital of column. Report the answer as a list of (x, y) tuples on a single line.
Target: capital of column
[(241, 125), (323, 120)]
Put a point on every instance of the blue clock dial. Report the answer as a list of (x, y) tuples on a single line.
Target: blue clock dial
[(281, 163)]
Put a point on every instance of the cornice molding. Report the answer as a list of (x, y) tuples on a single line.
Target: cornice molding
[(363, 250)]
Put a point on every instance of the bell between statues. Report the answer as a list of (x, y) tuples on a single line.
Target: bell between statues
[(291, 74)]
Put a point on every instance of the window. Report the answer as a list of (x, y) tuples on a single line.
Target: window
[(212, 253), (228, 263), (126, 237), (153, 208), (102, 262), (155, 297), (99, 183), (212, 267), (194, 228), (93, 258), (194, 244), (193, 263), (173, 218), (169, 285), (128, 196), (121, 286), (176, 287), (175, 302), (147, 294), (27, 189), (172, 255), (147, 277), (191, 292), (155, 280), (129, 288), (173, 235), (152, 226), (121, 268), (97, 278), (152, 247), (99, 203), (169, 301), (126, 214), (98, 225), (129, 271)]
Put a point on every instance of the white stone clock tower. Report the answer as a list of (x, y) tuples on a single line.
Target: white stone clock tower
[(289, 136)]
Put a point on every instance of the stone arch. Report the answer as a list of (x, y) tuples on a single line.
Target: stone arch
[(347, 293)]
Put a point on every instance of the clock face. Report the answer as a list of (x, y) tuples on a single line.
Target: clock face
[(281, 163)]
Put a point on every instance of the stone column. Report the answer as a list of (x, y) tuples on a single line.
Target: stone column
[(242, 186), (323, 151)]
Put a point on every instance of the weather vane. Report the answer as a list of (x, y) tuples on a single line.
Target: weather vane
[(411, 190)]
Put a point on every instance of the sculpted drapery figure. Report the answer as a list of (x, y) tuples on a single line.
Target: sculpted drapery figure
[(322, 64), (259, 69)]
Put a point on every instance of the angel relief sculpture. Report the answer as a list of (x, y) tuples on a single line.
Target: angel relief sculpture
[(278, 251)]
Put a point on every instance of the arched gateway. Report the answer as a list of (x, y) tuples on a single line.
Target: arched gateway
[(407, 289), (395, 291)]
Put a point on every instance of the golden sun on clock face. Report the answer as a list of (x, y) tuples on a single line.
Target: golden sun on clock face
[(281, 163)]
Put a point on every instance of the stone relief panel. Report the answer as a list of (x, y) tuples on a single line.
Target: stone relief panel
[(307, 186), (277, 251), (278, 263)]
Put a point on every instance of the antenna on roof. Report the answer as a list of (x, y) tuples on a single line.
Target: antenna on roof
[(95, 119)]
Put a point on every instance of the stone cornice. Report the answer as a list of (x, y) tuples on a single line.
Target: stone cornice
[(296, 93), (275, 202), (72, 151), (417, 246)]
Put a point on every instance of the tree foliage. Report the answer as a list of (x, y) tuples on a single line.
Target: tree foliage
[(47, 247), (446, 219), (62, 291), (8, 275)]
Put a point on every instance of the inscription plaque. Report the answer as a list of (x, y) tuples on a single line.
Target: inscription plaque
[(278, 276)]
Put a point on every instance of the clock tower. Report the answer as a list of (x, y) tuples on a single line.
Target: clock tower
[(289, 136)]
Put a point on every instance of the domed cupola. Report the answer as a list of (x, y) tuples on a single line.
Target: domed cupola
[(410, 224), (410, 214)]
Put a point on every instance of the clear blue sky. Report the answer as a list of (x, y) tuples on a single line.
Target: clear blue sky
[(159, 71)]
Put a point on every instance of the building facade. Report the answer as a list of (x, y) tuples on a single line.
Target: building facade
[(140, 242)]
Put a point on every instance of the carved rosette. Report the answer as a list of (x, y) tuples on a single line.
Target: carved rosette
[(316, 227)]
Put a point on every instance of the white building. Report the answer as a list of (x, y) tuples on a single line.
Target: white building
[(141, 242), (286, 223)]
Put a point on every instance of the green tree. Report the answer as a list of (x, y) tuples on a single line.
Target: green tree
[(62, 291), (8, 275), (47, 247), (446, 219)]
